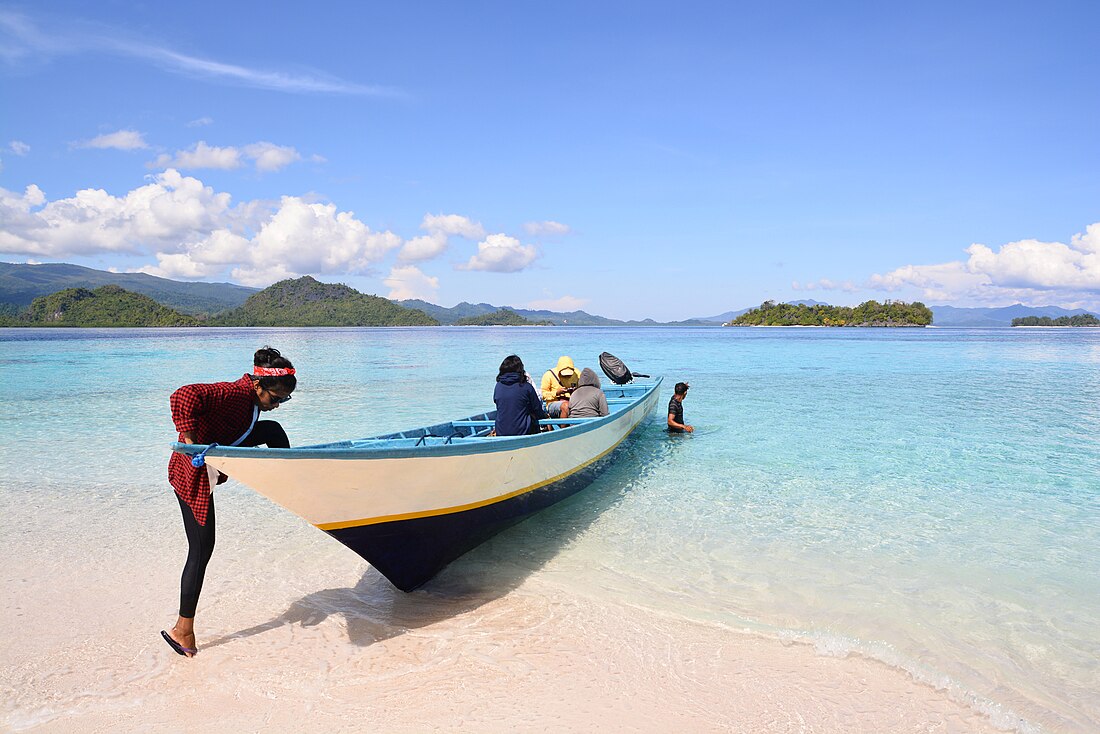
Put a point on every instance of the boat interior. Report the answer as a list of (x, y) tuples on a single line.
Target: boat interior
[(480, 426)]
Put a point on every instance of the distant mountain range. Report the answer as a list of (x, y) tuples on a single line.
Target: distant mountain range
[(466, 310), (952, 316), (20, 284)]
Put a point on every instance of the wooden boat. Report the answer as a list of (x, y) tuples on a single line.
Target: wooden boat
[(413, 501)]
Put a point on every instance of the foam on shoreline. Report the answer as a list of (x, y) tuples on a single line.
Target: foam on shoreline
[(476, 671), (450, 658)]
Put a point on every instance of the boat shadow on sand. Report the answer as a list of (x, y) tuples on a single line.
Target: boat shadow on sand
[(374, 610)]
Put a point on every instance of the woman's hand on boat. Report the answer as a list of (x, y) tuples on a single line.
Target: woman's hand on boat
[(187, 437)]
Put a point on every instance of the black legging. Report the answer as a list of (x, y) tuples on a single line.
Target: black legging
[(200, 538)]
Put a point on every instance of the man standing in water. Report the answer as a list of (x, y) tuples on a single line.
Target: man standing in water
[(676, 410)]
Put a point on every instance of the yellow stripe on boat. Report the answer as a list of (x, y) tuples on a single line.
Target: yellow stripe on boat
[(462, 508)]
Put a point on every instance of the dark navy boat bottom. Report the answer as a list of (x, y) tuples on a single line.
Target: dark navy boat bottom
[(410, 552)]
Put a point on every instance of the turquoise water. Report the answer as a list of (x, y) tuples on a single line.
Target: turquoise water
[(926, 497)]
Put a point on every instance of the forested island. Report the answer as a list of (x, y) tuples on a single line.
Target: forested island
[(108, 305), (869, 313), (1084, 319), (294, 302), (500, 317), (306, 301)]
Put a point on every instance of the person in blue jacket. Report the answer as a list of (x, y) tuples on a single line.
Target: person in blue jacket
[(519, 406)]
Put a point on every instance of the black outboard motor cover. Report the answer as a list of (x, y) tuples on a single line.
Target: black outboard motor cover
[(614, 368)]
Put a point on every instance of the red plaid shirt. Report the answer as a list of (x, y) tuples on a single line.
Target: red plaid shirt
[(217, 413)]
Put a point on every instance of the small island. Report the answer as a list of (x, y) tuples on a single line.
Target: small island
[(869, 313), (1081, 319), (500, 317)]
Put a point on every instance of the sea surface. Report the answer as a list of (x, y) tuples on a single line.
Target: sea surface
[(928, 498)]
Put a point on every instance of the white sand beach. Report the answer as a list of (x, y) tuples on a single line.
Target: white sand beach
[(85, 655), (477, 671)]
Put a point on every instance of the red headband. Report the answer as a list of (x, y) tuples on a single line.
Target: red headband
[(272, 371)]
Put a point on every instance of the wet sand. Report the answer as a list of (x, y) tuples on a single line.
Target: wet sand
[(296, 633), (346, 658)]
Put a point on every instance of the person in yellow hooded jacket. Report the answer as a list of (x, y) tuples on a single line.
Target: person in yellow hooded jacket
[(556, 386)]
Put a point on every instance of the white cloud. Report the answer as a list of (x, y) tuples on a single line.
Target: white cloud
[(452, 224), (303, 237), (180, 265), (21, 39), (276, 80), (120, 140), (1025, 270), (162, 215), (408, 281), (439, 227), (19, 147), (201, 155), (565, 303), (33, 196), (425, 247), (500, 253), (193, 231), (825, 284), (201, 122), (553, 229), (268, 157), (1041, 265)]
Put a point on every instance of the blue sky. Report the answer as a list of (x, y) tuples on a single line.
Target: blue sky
[(629, 159)]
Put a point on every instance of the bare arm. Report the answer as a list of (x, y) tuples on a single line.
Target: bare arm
[(679, 426)]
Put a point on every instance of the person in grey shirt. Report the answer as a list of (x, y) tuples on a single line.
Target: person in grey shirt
[(588, 400)]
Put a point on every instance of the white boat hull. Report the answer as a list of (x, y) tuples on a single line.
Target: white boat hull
[(410, 509)]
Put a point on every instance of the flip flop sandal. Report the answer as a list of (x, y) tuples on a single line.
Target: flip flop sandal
[(180, 649)]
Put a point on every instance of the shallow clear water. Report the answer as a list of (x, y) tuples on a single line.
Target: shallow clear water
[(926, 497)]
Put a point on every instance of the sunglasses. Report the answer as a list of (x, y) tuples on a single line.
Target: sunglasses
[(277, 399)]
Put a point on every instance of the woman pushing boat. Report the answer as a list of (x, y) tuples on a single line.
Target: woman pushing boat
[(224, 413)]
